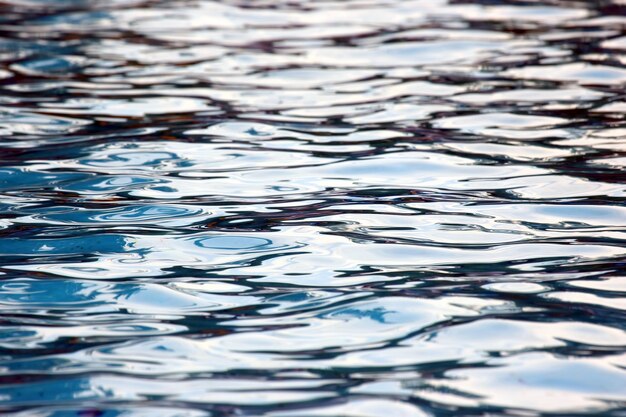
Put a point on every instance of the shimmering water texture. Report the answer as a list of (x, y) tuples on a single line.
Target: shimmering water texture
[(291, 208)]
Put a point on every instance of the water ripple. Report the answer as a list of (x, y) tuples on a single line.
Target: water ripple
[(353, 208)]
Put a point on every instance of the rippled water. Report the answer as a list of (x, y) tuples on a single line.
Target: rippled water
[(288, 208)]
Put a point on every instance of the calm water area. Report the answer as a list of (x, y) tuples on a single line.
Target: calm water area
[(329, 208)]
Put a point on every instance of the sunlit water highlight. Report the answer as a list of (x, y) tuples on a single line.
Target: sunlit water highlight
[(351, 208)]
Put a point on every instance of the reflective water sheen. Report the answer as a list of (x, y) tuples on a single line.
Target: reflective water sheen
[(288, 208)]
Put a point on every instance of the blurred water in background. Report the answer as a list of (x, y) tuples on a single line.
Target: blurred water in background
[(289, 208)]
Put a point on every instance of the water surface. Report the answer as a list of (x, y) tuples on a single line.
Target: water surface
[(352, 208)]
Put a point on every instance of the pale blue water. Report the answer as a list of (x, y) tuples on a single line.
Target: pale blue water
[(338, 208)]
